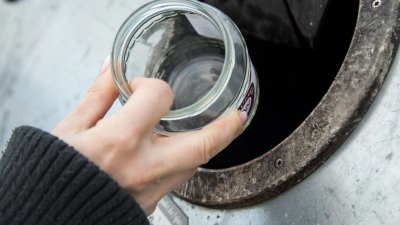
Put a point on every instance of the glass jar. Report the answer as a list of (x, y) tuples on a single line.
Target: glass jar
[(198, 51)]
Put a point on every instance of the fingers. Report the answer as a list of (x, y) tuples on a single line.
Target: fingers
[(94, 105), (98, 100), (193, 149), (151, 100), (201, 146)]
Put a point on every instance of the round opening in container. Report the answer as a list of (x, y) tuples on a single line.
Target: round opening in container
[(293, 80), (310, 102)]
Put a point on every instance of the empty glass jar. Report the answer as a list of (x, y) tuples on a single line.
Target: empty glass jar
[(198, 51)]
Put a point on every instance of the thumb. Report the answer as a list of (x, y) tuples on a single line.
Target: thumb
[(195, 148)]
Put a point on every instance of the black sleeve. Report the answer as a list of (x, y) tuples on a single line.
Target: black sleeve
[(45, 181)]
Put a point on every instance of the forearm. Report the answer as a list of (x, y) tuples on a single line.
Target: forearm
[(45, 181)]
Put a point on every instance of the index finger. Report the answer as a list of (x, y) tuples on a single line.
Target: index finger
[(151, 100)]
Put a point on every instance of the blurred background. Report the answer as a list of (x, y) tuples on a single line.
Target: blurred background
[(51, 53)]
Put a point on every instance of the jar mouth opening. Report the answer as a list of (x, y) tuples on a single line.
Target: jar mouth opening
[(143, 15)]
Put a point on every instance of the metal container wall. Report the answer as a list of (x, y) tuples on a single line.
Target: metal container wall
[(359, 184)]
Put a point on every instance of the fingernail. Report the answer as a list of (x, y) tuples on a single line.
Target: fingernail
[(105, 66), (243, 116)]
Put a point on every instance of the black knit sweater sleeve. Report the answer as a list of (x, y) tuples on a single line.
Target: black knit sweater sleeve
[(45, 181)]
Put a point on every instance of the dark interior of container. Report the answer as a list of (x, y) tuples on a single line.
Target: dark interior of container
[(292, 81)]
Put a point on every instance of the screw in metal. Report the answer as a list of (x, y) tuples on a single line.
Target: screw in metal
[(278, 162), (376, 3)]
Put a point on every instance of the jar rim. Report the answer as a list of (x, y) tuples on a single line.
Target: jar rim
[(145, 13)]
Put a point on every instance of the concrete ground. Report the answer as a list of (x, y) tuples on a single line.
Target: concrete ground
[(51, 52)]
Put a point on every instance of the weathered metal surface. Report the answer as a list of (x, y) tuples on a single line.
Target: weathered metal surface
[(359, 184), (363, 71)]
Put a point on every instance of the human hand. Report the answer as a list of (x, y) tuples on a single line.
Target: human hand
[(146, 165)]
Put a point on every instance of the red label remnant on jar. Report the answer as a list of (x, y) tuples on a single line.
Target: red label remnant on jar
[(250, 96)]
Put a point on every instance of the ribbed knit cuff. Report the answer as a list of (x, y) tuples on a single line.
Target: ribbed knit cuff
[(45, 181)]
